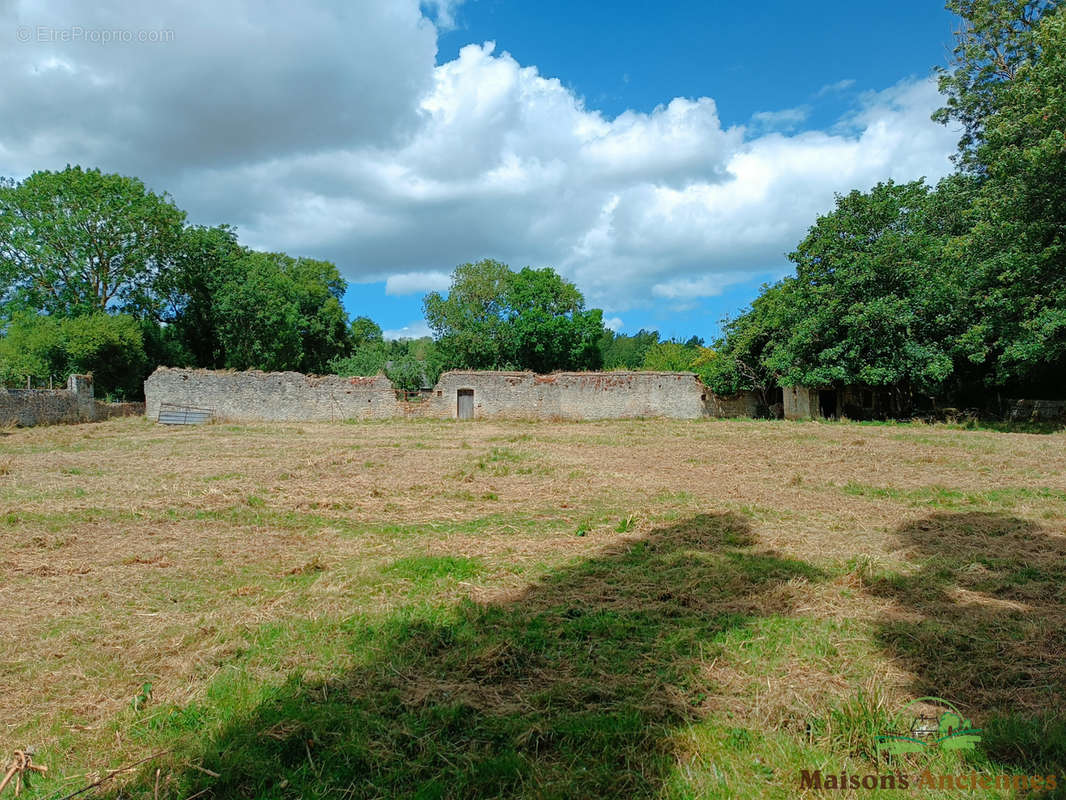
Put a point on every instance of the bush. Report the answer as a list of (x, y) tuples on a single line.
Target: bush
[(110, 347), (405, 373), (368, 359)]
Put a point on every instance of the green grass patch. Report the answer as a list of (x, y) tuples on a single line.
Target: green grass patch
[(431, 569), (945, 497)]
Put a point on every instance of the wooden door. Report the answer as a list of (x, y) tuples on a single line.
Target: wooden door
[(466, 404)]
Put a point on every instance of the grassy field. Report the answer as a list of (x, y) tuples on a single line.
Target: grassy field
[(431, 609)]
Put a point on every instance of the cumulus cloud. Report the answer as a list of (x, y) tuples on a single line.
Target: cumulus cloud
[(224, 83), (613, 324), (333, 133)]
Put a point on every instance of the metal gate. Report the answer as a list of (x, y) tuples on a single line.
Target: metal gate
[(171, 414), (466, 403)]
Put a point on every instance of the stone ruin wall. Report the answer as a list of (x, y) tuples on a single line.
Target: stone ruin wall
[(30, 407), (272, 396), (573, 395), (290, 396)]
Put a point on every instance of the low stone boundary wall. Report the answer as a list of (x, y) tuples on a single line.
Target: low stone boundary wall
[(741, 404), (572, 395), (112, 410), (272, 396), (1036, 410), (30, 407), (290, 396)]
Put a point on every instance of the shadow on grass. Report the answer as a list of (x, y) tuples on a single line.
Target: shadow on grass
[(572, 689), (1019, 426), (984, 625)]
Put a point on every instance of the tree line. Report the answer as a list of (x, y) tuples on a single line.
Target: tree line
[(956, 290), (99, 274)]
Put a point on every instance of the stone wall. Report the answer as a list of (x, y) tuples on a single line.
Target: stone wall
[(112, 410), (1036, 410), (800, 402), (272, 396), (29, 407), (572, 395), (281, 396), (741, 404), (290, 396)]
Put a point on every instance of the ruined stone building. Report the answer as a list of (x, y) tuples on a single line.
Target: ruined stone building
[(282, 396)]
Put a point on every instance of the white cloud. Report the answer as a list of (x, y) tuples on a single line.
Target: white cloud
[(443, 12), (786, 119), (833, 88), (331, 133), (234, 83), (413, 330), (417, 283), (613, 324), (702, 286)]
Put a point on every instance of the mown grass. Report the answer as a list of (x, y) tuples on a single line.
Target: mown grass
[(945, 497), (467, 611)]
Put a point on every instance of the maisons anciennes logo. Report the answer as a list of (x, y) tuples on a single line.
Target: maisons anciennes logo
[(916, 730), (946, 730)]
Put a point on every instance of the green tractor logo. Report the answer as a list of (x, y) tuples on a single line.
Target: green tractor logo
[(949, 730)]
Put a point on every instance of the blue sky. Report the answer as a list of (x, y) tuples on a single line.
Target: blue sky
[(748, 57), (665, 157)]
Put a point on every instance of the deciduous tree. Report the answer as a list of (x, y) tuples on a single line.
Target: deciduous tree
[(82, 241)]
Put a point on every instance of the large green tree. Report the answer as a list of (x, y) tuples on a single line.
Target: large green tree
[(743, 357), (1007, 89), (626, 352), (81, 241), (471, 323), (495, 318), (552, 329), (231, 307), (870, 304), (276, 312), (365, 331), (876, 299), (952, 291), (996, 41), (205, 260), (1017, 247)]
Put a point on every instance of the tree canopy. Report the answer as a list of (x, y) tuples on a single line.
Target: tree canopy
[(42, 347), (495, 318), (81, 241), (950, 290)]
